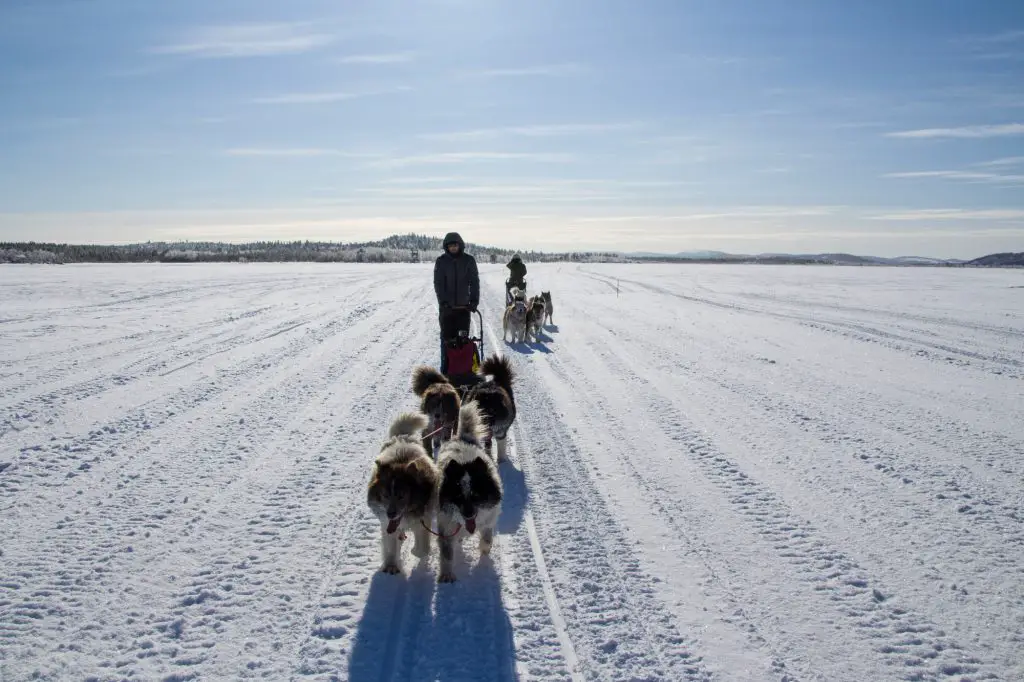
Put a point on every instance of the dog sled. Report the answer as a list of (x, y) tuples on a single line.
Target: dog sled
[(464, 355), (509, 286)]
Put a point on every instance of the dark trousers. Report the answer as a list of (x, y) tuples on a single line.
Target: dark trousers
[(451, 322)]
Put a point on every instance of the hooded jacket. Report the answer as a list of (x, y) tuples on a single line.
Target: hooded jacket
[(456, 279), (517, 268)]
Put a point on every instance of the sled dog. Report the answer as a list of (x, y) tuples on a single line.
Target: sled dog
[(470, 491), (515, 321), (439, 400), (403, 490), (549, 310), (496, 402), (534, 317)]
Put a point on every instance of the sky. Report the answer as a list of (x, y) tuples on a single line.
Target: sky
[(748, 126)]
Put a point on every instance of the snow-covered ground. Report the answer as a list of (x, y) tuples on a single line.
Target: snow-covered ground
[(718, 473)]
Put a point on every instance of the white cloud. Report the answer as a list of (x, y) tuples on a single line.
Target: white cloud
[(247, 40), (977, 131), (326, 97), (994, 214), (551, 130), (540, 70), (463, 157), (297, 152), (999, 163), (385, 58), (749, 212), (969, 176)]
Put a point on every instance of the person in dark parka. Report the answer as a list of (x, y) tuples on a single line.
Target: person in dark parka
[(457, 285), (518, 270)]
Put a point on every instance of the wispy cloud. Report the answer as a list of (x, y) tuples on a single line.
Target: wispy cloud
[(994, 214), (464, 157), (552, 130), (749, 212), (568, 69), (425, 180), (385, 58), (247, 40), (1000, 163), (327, 97), (967, 176), (976, 131), (293, 152)]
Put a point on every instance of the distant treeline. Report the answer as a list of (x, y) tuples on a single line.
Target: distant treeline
[(393, 249), (411, 248)]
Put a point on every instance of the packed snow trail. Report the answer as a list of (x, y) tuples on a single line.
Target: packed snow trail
[(717, 473)]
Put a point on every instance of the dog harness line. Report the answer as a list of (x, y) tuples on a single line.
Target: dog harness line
[(458, 527)]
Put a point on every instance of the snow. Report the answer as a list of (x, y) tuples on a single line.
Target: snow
[(718, 472)]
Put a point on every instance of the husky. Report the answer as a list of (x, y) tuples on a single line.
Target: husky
[(549, 310), (469, 493), (495, 400), (440, 401), (403, 490), (515, 320), (534, 317)]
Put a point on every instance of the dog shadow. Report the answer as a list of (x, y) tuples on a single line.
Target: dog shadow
[(551, 328), (519, 347), (471, 636), (414, 629), (540, 347), (515, 497), (396, 608)]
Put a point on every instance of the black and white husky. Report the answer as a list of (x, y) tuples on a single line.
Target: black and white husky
[(470, 491)]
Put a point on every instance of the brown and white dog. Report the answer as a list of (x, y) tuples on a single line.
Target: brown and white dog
[(440, 401), (515, 321), (534, 317), (403, 490)]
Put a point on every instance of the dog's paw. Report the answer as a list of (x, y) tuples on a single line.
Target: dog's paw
[(391, 569), (446, 577)]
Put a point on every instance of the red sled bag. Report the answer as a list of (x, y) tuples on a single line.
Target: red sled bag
[(462, 358)]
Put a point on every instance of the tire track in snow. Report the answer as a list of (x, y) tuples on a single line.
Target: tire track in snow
[(919, 648)]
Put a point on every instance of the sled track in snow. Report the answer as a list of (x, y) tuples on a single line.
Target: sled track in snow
[(916, 646), (929, 463), (129, 506), (613, 621), (285, 506), (939, 352)]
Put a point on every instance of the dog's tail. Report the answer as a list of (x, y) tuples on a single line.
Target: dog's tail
[(501, 369), (471, 425), (407, 424), (424, 376)]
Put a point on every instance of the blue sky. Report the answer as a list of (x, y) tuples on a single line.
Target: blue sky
[(887, 128)]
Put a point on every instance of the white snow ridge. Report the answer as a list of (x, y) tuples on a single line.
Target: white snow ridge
[(717, 472)]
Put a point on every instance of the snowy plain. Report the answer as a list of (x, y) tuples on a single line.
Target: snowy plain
[(717, 473)]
